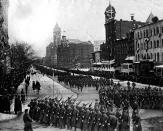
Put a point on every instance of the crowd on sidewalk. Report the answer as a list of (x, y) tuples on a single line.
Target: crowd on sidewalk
[(6, 100)]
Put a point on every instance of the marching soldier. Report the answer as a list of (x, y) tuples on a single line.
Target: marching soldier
[(136, 122), (62, 117), (125, 121), (69, 117), (86, 119)]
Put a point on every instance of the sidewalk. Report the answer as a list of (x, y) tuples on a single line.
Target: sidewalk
[(4, 116)]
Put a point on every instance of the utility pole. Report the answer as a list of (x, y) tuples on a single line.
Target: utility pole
[(53, 82)]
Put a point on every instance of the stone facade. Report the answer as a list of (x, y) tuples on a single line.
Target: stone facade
[(51, 49), (71, 53), (148, 41)]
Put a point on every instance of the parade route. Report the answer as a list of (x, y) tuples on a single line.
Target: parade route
[(88, 95), (46, 90)]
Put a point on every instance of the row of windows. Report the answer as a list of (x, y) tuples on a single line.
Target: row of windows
[(149, 32), (155, 56), (150, 45)]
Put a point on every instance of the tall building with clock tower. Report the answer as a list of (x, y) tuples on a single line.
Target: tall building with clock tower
[(117, 32), (110, 31)]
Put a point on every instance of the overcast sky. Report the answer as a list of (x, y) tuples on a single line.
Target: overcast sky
[(33, 21)]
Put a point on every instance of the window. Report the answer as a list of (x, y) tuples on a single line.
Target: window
[(142, 46), (154, 31), (151, 45), (140, 34), (144, 33), (162, 29), (157, 30), (157, 43), (151, 56), (147, 56), (151, 32), (158, 57), (147, 33), (162, 56), (162, 42), (154, 44)]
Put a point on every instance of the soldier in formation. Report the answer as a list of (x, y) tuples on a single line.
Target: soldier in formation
[(144, 98), (68, 114)]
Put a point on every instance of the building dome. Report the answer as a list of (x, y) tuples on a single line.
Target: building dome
[(110, 12), (57, 28), (110, 8)]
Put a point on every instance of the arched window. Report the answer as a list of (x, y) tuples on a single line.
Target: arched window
[(158, 57)]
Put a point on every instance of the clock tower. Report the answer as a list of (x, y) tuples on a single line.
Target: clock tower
[(110, 31)]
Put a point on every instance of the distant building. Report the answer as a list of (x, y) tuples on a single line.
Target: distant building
[(51, 49), (96, 56), (4, 5), (97, 44), (124, 48), (116, 30), (4, 45), (148, 40), (72, 53)]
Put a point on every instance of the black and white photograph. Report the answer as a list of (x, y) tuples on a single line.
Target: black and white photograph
[(81, 65)]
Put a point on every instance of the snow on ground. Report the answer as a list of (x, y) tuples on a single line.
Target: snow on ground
[(138, 85), (146, 114), (6, 116)]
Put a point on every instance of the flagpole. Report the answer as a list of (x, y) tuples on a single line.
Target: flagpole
[(53, 83)]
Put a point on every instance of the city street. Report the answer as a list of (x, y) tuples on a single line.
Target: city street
[(150, 119)]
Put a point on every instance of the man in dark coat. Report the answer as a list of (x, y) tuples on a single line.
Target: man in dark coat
[(18, 106), (22, 96), (27, 121)]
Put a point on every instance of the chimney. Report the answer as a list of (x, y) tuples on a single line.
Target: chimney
[(132, 17), (64, 38)]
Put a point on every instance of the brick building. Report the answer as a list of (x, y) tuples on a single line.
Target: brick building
[(74, 52), (116, 36), (123, 48)]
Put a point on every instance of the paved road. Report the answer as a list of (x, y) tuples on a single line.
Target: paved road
[(88, 95)]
